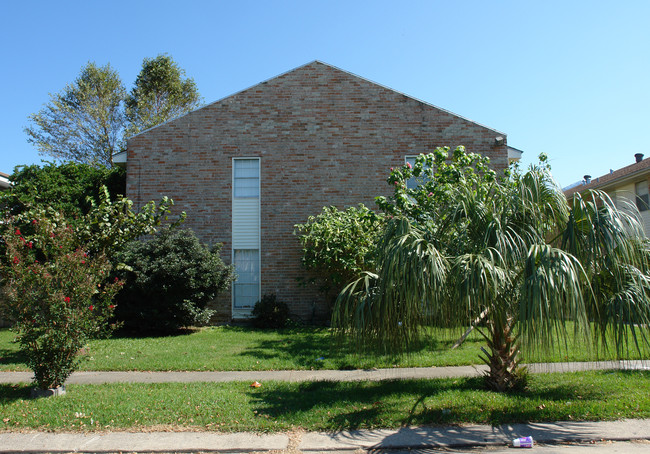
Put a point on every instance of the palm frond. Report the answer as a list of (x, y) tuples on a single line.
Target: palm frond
[(388, 310), (553, 284), (477, 282)]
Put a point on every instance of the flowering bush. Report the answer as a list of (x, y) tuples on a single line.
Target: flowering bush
[(55, 293)]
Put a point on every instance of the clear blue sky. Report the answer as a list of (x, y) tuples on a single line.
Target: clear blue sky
[(568, 78)]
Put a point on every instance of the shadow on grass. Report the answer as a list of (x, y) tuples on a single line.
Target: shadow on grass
[(304, 347), (127, 333), (414, 402), (12, 392), (11, 357), (308, 348)]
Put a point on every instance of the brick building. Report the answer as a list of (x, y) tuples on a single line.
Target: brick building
[(248, 167)]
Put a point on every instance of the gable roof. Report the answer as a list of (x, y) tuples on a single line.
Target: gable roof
[(317, 63), (618, 176)]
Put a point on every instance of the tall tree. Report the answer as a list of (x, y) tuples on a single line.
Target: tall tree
[(83, 123), (511, 251), (161, 93)]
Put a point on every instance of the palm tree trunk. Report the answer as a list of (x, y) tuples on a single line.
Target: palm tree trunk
[(504, 372)]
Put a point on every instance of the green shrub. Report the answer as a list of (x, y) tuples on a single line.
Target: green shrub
[(337, 245), (55, 293), (68, 188), (169, 281), (270, 313)]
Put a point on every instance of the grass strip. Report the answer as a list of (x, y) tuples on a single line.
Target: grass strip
[(238, 348), (324, 406)]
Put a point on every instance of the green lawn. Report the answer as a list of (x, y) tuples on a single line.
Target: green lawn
[(278, 406), (237, 348)]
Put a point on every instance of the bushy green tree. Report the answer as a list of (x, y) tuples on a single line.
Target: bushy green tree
[(111, 225), (169, 281), (509, 249), (55, 292), (69, 187), (85, 122), (338, 244), (160, 93)]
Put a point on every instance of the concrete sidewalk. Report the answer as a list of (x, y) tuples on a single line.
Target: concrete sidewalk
[(311, 442), (317, 375)]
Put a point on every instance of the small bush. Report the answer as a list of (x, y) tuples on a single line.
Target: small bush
[(270, 313), (169, 281)]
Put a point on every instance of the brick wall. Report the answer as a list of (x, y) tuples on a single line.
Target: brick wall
[(324, 136)]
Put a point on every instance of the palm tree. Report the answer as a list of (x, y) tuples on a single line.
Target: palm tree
[(509, 250)]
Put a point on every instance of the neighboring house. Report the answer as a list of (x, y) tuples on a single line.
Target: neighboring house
[(624, 186), (249, 167), (4, 181)]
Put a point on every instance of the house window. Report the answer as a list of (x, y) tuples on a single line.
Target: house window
[(642, 198), (246, 178), (245, 235), (414, 182), (246, 288)]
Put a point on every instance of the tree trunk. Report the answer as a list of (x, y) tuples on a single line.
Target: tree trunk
[(504, 373), (476, 321)]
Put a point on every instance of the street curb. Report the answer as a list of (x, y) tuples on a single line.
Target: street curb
[(312, 442), (475, 435), (42, 442)]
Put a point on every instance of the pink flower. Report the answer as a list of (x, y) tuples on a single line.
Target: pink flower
[(391, 169), (408, 164), (116, 279), (66, 299), (430, 194), (83, 262), (396, 183)]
